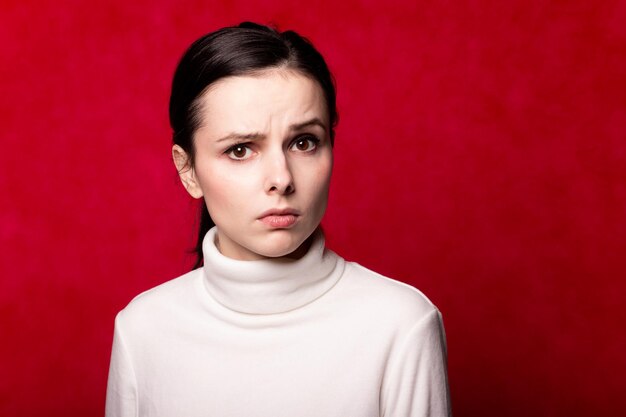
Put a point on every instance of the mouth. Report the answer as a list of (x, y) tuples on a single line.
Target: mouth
[(280, 218)]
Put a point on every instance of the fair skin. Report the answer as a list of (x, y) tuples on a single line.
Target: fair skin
[(263, 144)]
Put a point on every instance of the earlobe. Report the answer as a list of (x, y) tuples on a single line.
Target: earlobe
[(186, 172)]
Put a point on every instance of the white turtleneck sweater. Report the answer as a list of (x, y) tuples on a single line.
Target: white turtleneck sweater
[(317, 336)]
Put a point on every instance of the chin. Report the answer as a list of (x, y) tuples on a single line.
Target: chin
[(283, 245)]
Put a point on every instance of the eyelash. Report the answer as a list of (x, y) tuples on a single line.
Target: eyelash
[(311, 138), (308, 137)]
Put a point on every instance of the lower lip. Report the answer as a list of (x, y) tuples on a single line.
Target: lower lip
[(278, 221)]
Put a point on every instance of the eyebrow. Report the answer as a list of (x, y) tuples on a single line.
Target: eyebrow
[(313, 122), (255, 136)]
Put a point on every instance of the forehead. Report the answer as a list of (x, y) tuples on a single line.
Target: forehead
[(260, 102)]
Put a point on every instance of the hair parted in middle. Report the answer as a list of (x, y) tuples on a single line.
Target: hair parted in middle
[(245, 49)]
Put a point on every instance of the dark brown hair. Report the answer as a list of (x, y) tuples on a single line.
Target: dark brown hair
[(238, 50)]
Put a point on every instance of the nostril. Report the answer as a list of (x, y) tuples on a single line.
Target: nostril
[(283, 190)]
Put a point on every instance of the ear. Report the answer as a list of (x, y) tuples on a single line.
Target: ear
[(186, 172)]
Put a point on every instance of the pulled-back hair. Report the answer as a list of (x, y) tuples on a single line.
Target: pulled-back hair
[(244, 49)]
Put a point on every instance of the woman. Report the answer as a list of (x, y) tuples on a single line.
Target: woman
[(272, 323)]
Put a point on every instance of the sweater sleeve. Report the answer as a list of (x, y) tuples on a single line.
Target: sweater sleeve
[(416, 382), (121, 397)]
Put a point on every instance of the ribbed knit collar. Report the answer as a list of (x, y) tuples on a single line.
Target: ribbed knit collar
[(273, 285)]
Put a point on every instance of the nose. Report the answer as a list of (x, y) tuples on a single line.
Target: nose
[(278, 177)]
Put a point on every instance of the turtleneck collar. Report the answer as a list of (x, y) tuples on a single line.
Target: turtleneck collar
[(273, 285)]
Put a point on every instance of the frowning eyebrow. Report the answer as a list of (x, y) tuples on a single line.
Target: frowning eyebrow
[(255, 136), (313, 122)]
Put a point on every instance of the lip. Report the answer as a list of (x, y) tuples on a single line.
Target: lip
[(280, 218), (280, 212)]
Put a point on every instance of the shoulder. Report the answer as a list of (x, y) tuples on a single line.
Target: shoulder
[(400, 314), (386, 297), (160, 301)]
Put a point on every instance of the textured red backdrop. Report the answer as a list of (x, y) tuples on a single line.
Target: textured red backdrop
[(480, 156)]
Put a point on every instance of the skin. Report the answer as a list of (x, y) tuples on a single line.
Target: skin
[(272, 161)]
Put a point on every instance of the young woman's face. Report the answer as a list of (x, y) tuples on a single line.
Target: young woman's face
[(263, 162)]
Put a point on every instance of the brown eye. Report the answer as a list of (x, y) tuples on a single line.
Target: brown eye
[(305, 143), (239, 152), (302, 144)]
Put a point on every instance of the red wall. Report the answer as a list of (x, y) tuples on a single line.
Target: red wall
[(480, 156)]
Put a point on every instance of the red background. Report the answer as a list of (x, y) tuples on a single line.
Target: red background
[(480, 157)]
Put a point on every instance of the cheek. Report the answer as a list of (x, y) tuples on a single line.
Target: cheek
[(318, 178), (224, 191)]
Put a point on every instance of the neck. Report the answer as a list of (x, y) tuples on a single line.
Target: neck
[(270, 285)]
